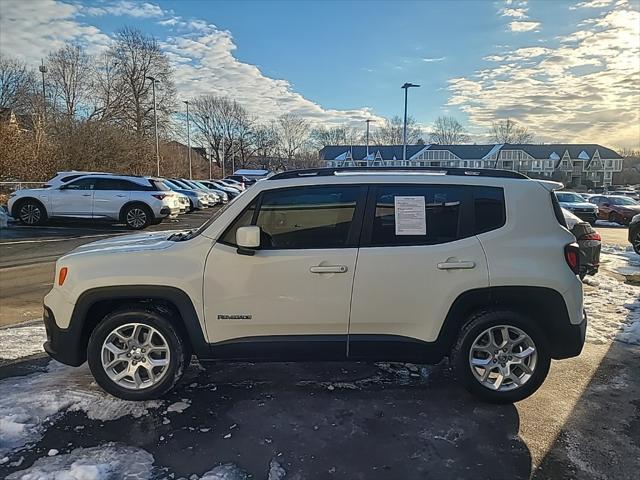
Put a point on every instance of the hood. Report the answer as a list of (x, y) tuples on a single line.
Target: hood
[(577, 205), (631, 208), (129, 243)]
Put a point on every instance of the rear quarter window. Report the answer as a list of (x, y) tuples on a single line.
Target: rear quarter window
[(489, 208)]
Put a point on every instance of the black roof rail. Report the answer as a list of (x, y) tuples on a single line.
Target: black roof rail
[(465, 172)]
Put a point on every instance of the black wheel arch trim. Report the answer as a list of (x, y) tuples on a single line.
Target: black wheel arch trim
[(135, 202), (69, 345)]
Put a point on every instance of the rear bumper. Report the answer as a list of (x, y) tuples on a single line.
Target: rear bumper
[(590, 217), (63, 344), (169, 212), (567, 339)]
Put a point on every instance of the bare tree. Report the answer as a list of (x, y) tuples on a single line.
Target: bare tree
[(108, 94), (509, 131), (70, 73), (136, 57), (293, 134), (16, 84), (321, 137), (447, 131), (391, 132)]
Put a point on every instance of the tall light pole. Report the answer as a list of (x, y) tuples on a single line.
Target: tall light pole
[(406, 88), (155, 119), (368, 120), (43, 70), (186, 102)]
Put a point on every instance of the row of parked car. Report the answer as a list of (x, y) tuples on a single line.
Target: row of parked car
[(592, 207), (136, 201)]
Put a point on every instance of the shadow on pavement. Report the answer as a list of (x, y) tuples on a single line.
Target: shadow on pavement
[(601, 437), (386, 421)]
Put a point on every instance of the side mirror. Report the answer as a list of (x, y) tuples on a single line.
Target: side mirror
[(248, 240)]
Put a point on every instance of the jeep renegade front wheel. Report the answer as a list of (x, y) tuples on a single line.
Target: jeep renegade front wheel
[(137, 354), (501, 356)]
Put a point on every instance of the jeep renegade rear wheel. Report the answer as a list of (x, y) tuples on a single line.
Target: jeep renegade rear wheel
[(137, 354), (501, 356)]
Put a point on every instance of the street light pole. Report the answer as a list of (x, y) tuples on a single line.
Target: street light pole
[(43, 70), (368, 120), (223, 166), (186, 102), (155, 120), (406, 88)]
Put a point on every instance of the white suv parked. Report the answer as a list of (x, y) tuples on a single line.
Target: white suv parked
[(136, 201), (335, 264)]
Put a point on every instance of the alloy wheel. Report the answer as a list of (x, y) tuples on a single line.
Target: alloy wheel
[(135, 356), (636, 242), (503, 358), (136, 218), (30, 214)]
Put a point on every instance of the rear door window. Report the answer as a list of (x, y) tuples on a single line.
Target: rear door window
[(443, 218)]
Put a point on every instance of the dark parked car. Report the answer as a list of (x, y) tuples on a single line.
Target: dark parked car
[(589, 241), (634, 233), (616, 208), (577, 205)]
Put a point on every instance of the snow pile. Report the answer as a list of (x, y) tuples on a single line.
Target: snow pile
[(4, 218), (104, 462), (622, 260), (22, 340), (26, 403), (613, 306), (228, 471)]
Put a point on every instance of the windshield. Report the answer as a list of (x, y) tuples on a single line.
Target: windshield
[(622, 201), (569, 197)]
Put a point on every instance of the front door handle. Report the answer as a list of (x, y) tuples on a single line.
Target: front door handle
[(328, 269), (86, 194), (456, 265), (121, 196)]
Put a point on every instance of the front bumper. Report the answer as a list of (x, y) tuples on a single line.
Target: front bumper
[(63, 344)]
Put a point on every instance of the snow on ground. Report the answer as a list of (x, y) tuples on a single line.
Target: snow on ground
[(22, 340), (109, 461), (621, 259), (613, 306), (29, 402)]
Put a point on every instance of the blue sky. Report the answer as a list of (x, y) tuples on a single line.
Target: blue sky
[(555, 66)]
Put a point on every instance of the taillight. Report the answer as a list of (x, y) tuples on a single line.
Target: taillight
[(160, 196), (572, 256), (591, 236)]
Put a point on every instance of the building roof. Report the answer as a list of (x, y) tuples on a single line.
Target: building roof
[(471, 152)]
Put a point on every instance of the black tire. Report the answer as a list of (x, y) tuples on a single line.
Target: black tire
[(613, 218), (191, 207), (30, 212), (635, 239), (137, 216), (479, 323), (160, 320)]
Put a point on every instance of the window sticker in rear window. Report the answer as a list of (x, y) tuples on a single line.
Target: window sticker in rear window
[(410, 213)]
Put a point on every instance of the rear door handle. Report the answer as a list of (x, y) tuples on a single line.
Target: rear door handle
[(456, 265), (122, 196), (328, 269), (86, 194)]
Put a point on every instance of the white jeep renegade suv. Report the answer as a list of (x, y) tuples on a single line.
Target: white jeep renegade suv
[(136, 201), (334, 264)]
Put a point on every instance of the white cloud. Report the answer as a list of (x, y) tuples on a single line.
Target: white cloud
[(436, 59), (514, 12), (523, 26), (31, 29), (585, 89), (591, 4), (126, 8), (213, 69), (202, 55)]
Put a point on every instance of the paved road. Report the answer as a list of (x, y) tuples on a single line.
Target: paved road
[(613, 235)]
